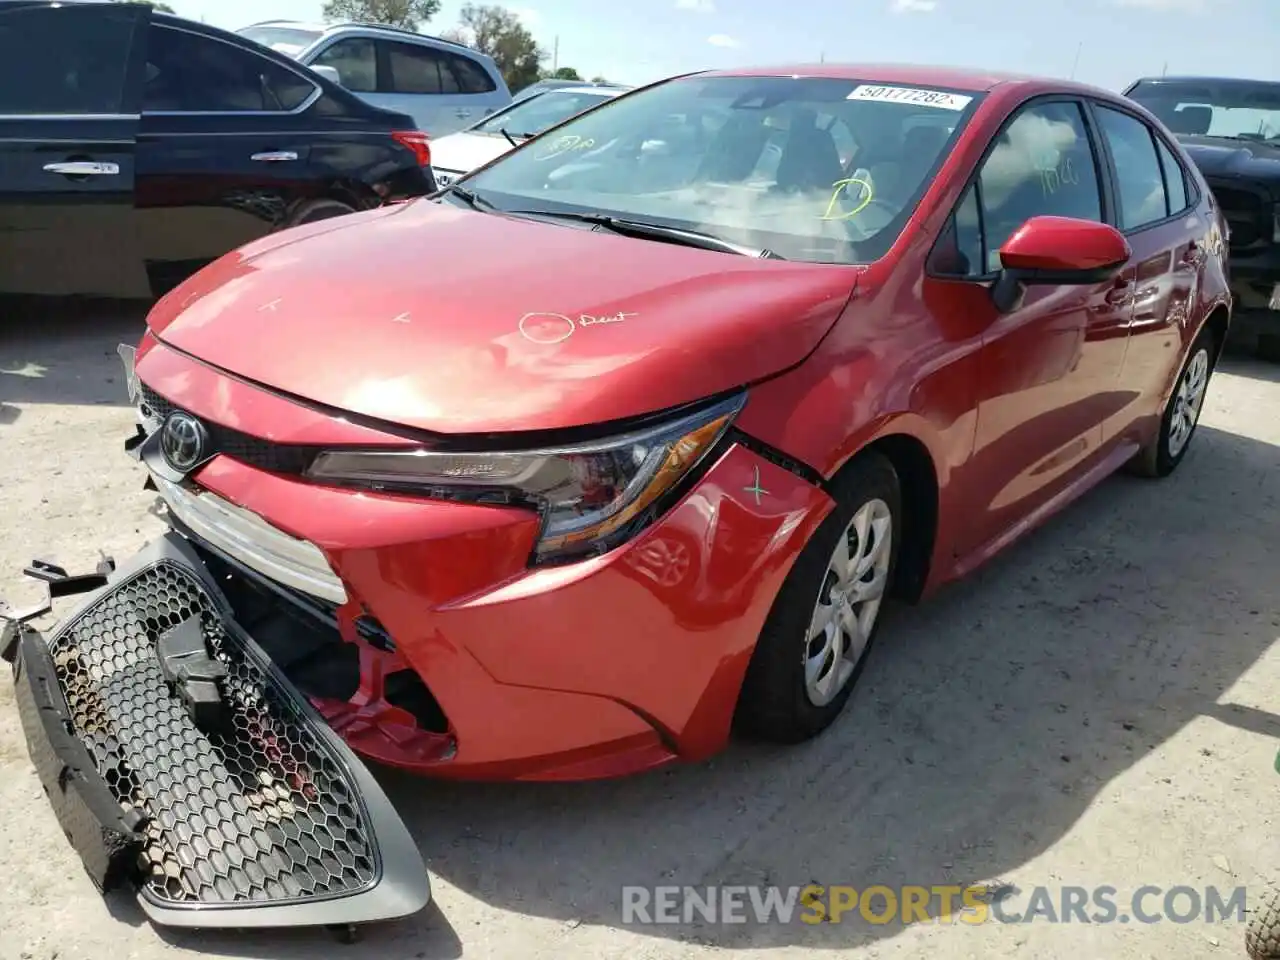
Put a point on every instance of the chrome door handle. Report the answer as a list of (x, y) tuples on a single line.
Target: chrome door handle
[(275, 156), (83, 168), (462, 114)]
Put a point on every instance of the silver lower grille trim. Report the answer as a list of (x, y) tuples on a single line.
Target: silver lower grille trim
[(252, 541)]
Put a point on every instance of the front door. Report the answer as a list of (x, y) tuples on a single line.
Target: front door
[(223, 150), (69, 85), (1049, 370)]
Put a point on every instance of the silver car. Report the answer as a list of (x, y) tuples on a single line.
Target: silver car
[(444, 86)]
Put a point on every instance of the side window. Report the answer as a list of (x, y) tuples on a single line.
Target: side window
[(418, 69), (1175, 179), (64, 60), (1042, 164), (356, 60), (1138, 175), (472, 78), (191, 73)]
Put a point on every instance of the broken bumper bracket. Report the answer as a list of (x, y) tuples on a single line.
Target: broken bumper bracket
[(177, 758)]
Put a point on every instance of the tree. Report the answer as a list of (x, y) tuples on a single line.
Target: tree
[(499, 33), (564, 73), (599, 79), (407, 14), (161, 7)]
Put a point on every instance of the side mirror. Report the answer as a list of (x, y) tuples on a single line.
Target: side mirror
[(1059, 251), (329, 73)]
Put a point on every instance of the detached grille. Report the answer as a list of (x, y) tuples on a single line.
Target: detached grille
[(262, 812), (1247, 214), (254, 451)]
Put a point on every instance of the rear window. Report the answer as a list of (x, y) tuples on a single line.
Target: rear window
[(64, 60)]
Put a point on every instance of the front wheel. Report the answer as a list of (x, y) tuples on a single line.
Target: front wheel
[(1262, 935), (815, 642)]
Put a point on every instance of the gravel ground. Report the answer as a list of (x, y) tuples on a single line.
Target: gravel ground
[(1094, 708)]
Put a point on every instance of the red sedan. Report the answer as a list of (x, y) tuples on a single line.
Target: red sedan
[(622, 441)]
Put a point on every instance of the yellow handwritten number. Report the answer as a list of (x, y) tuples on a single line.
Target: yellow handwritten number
[(840, 187), (565, 145)]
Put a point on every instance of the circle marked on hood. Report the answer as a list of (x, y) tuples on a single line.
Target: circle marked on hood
[(546, 328)]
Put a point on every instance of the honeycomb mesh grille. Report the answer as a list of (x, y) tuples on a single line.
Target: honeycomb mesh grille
[(262, 812), (285, 458)]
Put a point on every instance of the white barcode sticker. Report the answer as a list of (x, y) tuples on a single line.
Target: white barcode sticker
[(925, 98)]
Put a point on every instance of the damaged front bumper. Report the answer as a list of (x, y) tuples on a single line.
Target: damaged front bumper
[(180, 761)]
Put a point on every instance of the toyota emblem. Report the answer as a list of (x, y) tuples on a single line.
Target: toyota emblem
[(184, 441)]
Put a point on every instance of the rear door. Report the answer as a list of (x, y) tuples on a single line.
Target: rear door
[(69, 88), (1169, 242), (223, 150)]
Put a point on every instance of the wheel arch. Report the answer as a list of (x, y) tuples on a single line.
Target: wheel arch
[(1217, 322), (918, 478)]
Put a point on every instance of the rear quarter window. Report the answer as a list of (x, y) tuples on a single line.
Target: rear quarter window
[(192, 73)]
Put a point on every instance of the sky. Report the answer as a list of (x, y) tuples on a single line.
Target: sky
[(1105, 42)]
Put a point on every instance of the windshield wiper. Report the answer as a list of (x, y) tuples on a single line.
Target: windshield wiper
[(470, 197), (510, 139), (638, 228)]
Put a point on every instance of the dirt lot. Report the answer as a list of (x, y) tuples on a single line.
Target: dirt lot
[(1096, 708)]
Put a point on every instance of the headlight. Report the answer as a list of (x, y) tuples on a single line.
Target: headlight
[(591, 496)]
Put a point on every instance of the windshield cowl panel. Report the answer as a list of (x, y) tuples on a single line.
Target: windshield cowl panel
[(819, 170)]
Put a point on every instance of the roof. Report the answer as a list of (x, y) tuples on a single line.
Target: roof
[(359, 25), (947, 78), (1216, 81)]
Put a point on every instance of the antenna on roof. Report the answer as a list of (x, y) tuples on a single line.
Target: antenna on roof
[(1076, 62)]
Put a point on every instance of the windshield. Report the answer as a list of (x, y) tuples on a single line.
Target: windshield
[(1237, 109), (820, 170), (531, 117), (287, 40)]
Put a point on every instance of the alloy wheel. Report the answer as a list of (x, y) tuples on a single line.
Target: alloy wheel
[(1187, 401), (848, 602)]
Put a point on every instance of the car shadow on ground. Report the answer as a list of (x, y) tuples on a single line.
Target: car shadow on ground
[(64, 352), (987, 722)]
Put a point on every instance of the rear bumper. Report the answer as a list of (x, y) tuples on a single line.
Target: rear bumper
[(252, 815)]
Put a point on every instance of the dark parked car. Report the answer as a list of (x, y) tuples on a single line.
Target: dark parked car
[(1231, 129), (135, 147)]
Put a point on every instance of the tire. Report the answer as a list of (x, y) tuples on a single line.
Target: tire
[(1162, 456), (1262, 935), (777, 703), (312, 210)]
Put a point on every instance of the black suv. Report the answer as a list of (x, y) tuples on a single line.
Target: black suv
[(1231, 129), (135, 147)]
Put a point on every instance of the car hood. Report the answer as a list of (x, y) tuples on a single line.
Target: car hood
[(463, 152), (453, 321), (1242, 159)]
